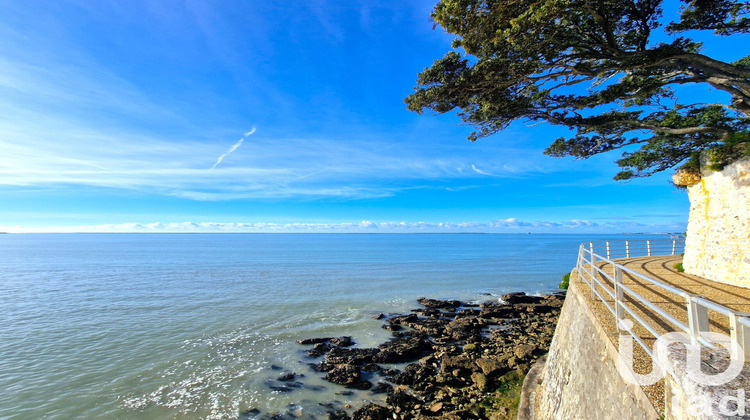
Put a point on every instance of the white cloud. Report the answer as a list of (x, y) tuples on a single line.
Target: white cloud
[(509, 225)]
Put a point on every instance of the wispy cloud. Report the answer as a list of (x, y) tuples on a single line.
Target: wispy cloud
[(233, 148), (479, 171), (83, 124), (47, 150), (53, 135)]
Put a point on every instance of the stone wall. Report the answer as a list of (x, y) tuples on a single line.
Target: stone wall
[(580, 379), (718, 236)]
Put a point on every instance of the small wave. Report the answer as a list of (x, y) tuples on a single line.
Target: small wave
[(214, 384)]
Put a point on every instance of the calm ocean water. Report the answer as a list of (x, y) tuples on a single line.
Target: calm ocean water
[(194, 326)]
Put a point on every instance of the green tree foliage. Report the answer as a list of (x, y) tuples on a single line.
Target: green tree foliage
[(594, 67)]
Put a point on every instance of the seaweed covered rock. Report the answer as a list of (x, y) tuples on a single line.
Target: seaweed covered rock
[(348, 375), (403, 349), (372, 412), (439, 304)]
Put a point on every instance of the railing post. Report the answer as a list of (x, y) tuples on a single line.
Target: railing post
[(593, 276), (648, 246), (627, 249), (608, 257), (619, 311), (740, 336), (581, 262), (697, 319), (674, 246)]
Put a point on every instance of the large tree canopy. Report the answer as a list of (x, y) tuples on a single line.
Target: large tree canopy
[(596, 67)]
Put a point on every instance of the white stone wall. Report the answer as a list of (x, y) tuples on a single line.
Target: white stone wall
[(717, 246)]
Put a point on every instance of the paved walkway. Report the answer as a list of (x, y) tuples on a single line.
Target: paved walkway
[(662, 268)]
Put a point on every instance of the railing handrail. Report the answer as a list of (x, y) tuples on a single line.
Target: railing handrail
[(630, 247), (655, 282), (696, 306)]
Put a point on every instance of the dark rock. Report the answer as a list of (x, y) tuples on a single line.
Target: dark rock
[(520, 297), (382, 388), (275, 367), (278, 416), (322, 347), (308, 341), (489, 366), (490, 310), (462, 355), (534, 308), (371, 367), (402, 349), (462, 361), (467, 312), (430, 326), (390, 372), (355, 356), (402, 401), (284, 384), (287, 377), (253, 412), (413, 374), (480, 381), (512, 362), (524, 351), (338, 415), (344, 341), (463, 328), (281, 389), (429, 360), (349, 376), (344, 375), (439, 304), (362, 385), (372, 412), (554, 302), (379, 316), (427, 312), (392, 327), (322, 367), (403, 319)]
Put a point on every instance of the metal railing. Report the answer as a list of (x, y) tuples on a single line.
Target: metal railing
[(594, 257)]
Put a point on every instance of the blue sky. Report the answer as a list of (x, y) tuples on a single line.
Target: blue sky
[(134, 116)]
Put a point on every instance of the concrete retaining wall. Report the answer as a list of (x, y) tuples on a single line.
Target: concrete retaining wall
[(580, 379)]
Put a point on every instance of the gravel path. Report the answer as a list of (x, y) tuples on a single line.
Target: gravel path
[(662, 268)]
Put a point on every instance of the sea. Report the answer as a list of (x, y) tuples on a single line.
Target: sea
[(183, 326)]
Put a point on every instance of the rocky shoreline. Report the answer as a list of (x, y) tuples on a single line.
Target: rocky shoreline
[(446, 360)]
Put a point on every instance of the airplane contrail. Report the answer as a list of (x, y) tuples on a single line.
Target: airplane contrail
[(234, 147)]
